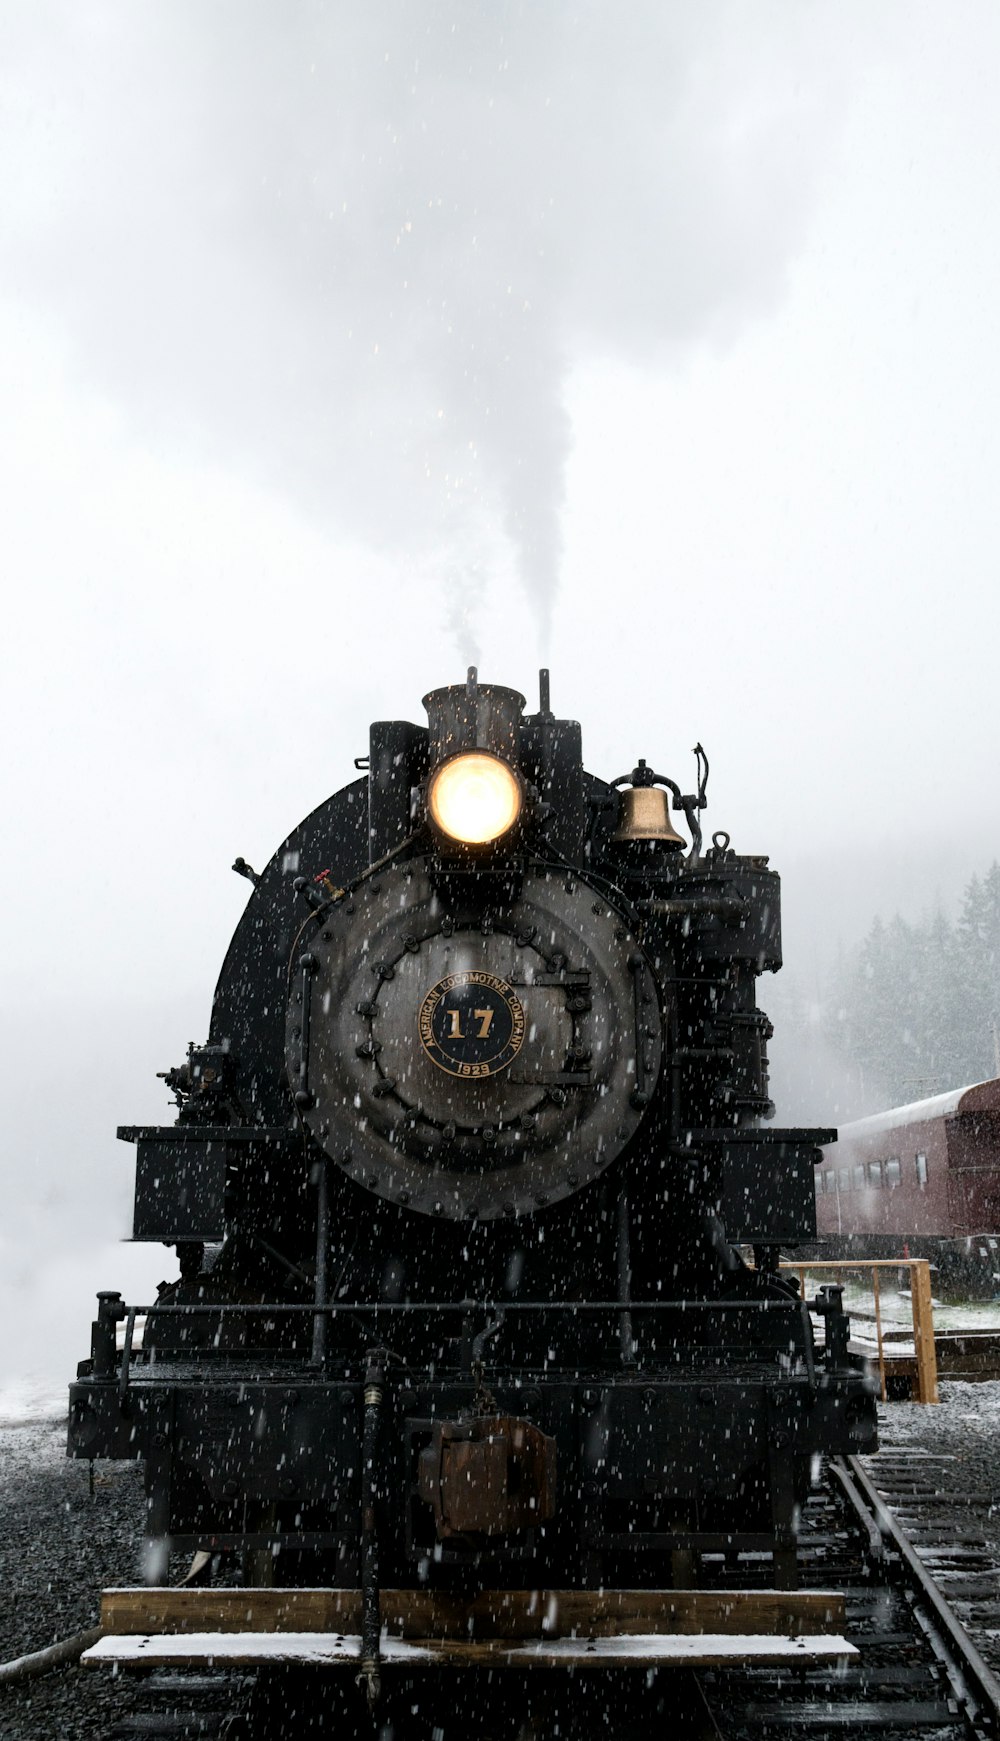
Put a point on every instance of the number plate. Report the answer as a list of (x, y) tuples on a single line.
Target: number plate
[(471, 1024)]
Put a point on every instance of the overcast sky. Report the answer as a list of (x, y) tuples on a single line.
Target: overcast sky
[(341, 344)]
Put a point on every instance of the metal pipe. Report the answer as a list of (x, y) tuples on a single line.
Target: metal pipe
[(103, 1334), (726, 907), (322, 1250), (829, 1305), (126, 1353), (40, 1662), (675, 1069), (386, 1308), (303, 1097), (639, 1095), (691, 812), (624, 1266), (371, 1617)]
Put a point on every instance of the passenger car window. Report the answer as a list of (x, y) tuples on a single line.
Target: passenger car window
[(875, 1175), (893, 1172), (921, 1161)]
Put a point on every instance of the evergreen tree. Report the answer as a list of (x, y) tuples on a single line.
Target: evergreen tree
[(916, 1008), (938, 1009), (979, 943)]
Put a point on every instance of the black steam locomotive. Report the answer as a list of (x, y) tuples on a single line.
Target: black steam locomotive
[(458, 1185)]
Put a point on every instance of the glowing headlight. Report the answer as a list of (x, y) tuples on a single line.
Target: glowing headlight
[(474, 797)]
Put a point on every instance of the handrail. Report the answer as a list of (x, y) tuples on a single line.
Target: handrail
[(356, 1308)]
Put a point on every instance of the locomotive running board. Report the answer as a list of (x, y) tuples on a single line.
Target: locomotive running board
[(572, 1629)]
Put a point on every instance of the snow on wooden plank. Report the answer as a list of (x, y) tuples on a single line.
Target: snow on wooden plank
[(336, 1650)]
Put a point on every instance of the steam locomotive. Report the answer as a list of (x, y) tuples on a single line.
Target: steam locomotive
[(460, 1186)]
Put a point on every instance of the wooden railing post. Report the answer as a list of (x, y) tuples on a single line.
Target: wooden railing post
[(878, 1332), (923, 1330)]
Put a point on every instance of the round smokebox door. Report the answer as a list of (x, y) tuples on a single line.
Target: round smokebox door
[(471, 1061)]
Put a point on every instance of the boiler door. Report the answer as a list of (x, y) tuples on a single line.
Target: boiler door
[(468, 1066)]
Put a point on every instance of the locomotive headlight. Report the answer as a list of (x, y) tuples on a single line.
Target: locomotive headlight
[(474, 797)]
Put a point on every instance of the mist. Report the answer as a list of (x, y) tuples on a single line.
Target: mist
[(357, 250), (341, 346)]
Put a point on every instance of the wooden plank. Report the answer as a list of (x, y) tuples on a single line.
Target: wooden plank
[(923, 1333), (343, 1650), (877, 1291), (491, 1614), (854, 1263)]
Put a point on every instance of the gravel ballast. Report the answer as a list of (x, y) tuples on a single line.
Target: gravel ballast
[(964, 1431), (59, 1547)]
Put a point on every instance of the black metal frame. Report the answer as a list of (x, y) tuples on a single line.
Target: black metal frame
[(654, 1399)]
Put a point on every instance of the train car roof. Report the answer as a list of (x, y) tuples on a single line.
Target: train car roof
[(975, 1097)]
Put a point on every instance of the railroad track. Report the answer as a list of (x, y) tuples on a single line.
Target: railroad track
[(877, 1529), (953, 1531), (919, 1673)]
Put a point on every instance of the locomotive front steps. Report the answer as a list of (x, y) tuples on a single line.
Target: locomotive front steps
[(150, 1627)]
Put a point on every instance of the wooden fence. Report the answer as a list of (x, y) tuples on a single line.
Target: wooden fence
[(920, 1366)]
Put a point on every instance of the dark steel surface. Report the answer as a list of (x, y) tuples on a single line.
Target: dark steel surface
[(504, 1143)]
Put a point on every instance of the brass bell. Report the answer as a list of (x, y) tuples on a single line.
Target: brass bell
[(645, 815)]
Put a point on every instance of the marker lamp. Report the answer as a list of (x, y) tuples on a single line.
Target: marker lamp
[(474, 798)]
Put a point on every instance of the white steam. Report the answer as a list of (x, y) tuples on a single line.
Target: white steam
[(356, 248)]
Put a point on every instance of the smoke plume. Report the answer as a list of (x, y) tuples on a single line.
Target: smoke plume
[(356, 250)]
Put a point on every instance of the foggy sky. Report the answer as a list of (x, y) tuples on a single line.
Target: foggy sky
[(340, 344), (355, 251)]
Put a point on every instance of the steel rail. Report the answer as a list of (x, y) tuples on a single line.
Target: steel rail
[(975, 1685)]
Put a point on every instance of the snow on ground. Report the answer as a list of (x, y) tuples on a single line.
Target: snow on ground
[(32, 1402), (896, 1310), (966, 1424)]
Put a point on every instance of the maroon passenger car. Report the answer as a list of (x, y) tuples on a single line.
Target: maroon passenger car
[(920, 1180)]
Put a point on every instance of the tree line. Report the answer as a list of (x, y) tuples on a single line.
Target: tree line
[(915, 1009)]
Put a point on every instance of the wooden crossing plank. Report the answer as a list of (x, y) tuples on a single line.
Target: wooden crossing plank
[(508, 1614), (343, 1650)]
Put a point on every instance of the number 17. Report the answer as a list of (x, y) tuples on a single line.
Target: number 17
[(483, 1017)]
